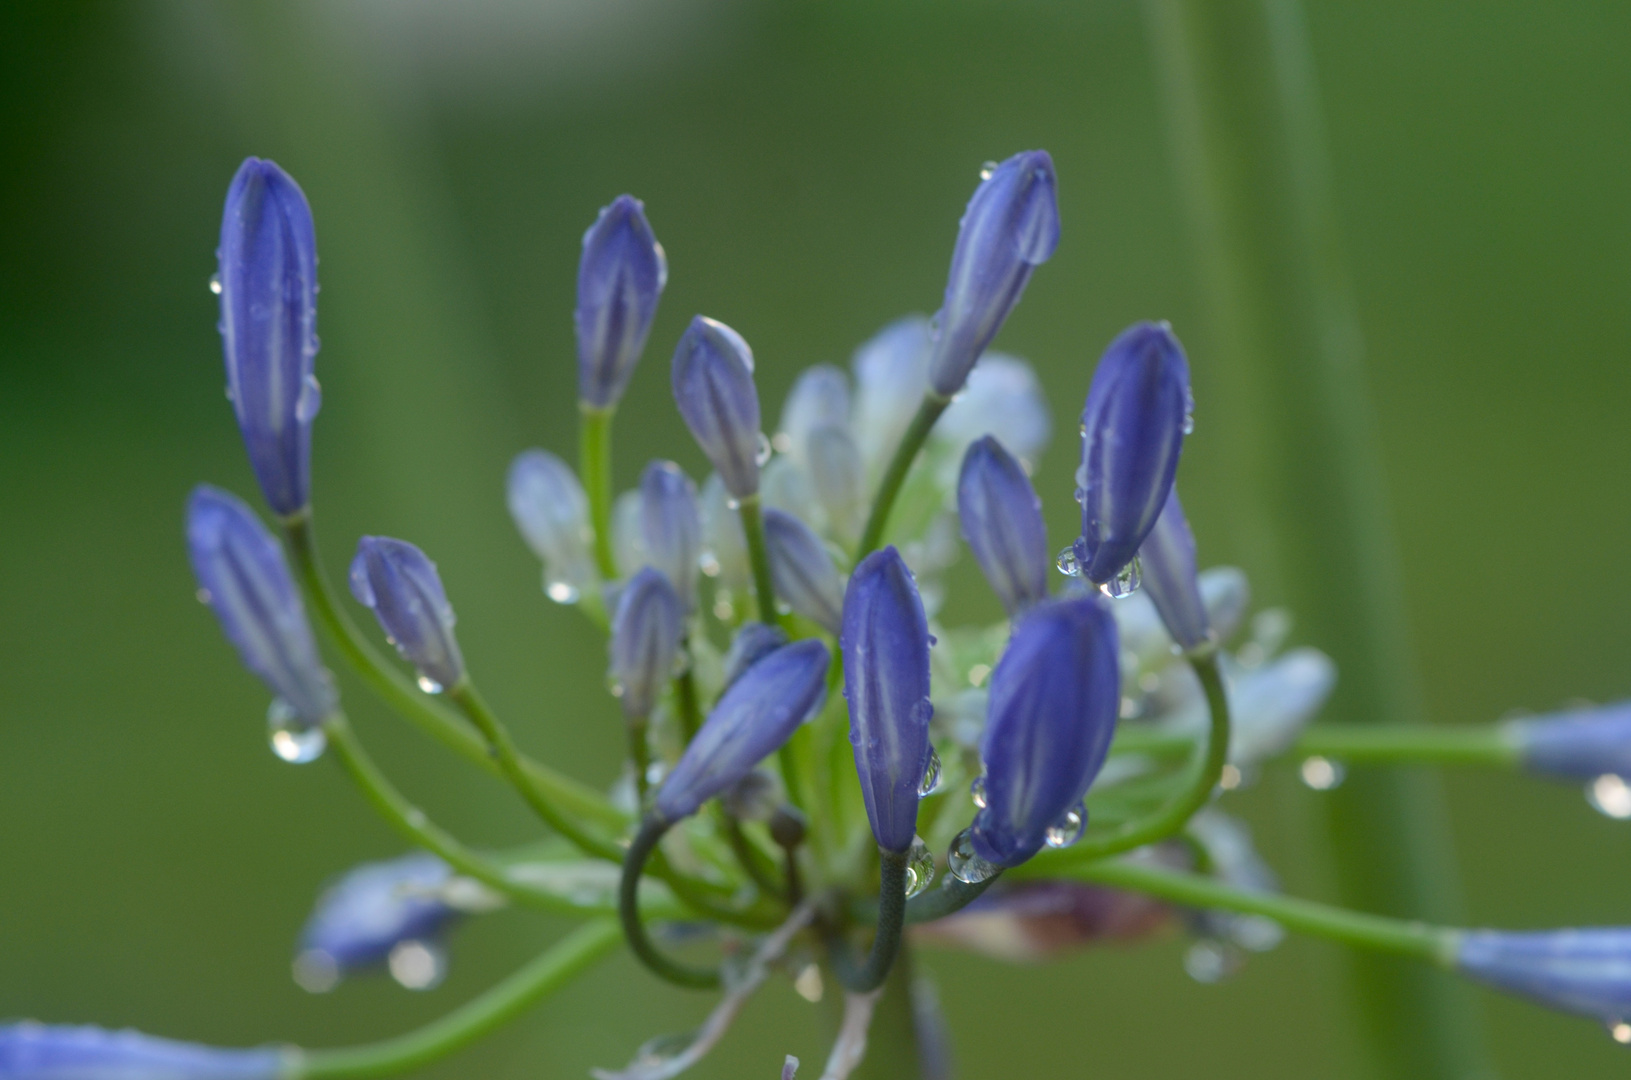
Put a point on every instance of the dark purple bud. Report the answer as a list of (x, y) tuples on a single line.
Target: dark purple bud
[(752, 643), (1167, 558), (1010, 228), (646, 632), (620, 279), (35, 1051), (1002, 522), (400, 585), (1133, 429), (671, 526), (802, 570), (268, 286), (1038, 920), (751, 721), (713, 387), (369, 912), (885, 642), (243, 578), (1578, 745), (1587, 972), (1055, 694)]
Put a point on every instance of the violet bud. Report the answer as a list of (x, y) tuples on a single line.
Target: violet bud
[(1167, 559), (268, 286), (819, 398), (802, 570), (751, 721), (400, 585), (885, 643), (551, 510), (1011, 227), (1579, 745), (1055, 695), (671, 526), (891, 377), (1002, 522), (646, 632), (752, 643), (35, 1051), (713, 387), (371, 912), (1133, 429), (620, 279), (1587, 971), (243, 578)]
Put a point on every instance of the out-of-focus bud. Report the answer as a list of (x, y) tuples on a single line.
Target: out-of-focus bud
[(752, 643), (1011, 227), (1582, 744), (1235, 861), (802, 570), (891, 377), (1167, 557), (819, 398), (1228, 596), (786, 485), (838, 475), (885, 643), (372, 913), (629, 553), (725, 549), (1587, 972), (244, 580), (401, 586), (1270, 705), (751, 721), (671, 526), (1002, 522), (1037, 920), (34, 1051), (646, 631), (551, 510), (1133, 429), (713, 387), (620, 279), (268, 286), (1003, 398)]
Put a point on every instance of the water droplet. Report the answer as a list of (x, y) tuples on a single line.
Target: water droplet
[(292, 739), (202, 596), (229, 393), (733, 503), (761, 455), (1189, 421), (656, 772), (1619, 1031), (978, 674), (1323, 774), (966, 866), (987, 169), (808, 984), (931, 775), (1211, 961), (976, 791), (1229, 778), (724, 610), (417, 965), (215, 284), (1068, 829), (1610, 796), (783, 442), (1080, 495), (1125, 583), (309, 401), (1258, 933), (614, 685), (561, 591), (919, 867), (316, 972), (1067, 563), (429, 685), (708, 563)]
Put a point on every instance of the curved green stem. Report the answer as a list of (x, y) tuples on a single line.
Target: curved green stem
[(895, 474), (595, 465), (651, 833), (1369, 744), (952, 896), (554, 968), (866, 977), (753, 860), (764, 587)]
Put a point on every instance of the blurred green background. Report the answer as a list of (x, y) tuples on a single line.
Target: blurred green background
[(804, 164)]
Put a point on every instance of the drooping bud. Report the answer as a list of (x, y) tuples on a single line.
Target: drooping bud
[(819, 398), (268, 286), (1587, 972), (751, 721), (551, 510), (1579, 745), (891, 377), (802, 570), (1167, 557), (838, 475), (620, 279), (646, 631), (400, 585), (1011, 227), (752, 643), (713, 387), (370, 912), (245, 581), (1003, 398), (1055, 695), (885, 642), (1133, 429), (671, 526), (35, 1051), (1002, 522)]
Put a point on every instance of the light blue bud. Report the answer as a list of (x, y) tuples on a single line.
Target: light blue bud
[(1578, 745), (713, 387), (646, 632), (1168, 560), (802, 570), (1271, 704), (1228, 596), (838, 476), (819, 398), (671, 526), (891, 377), (1002, 522), (34, 1051), (552, 512), (400, 585), (1003, 398), (1587, 972), (369, 911)]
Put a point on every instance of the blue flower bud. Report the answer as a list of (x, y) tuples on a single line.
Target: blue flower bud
[(646, 632), (620, 279), (802, 570), (1055, 695), (243, 578), (1133, 429), (885, 643), (891, 377), (752, 643), (1002, 522), (1168, 560), (1228, 597), (1578, 745), (369, 911), (1011, 227), (671, 526), (551, 510), (1271, 704), (1003, 398), (400, 585), (713, 387), (751, 721), (1587, 972), (268, 286), (819, 398), (628, 537), (34, 1051), (725, 551), (838, 475)]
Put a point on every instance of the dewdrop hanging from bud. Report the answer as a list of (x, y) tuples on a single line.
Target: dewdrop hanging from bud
[(1002, 522), (620, 280), (713, 387), (395, 580)]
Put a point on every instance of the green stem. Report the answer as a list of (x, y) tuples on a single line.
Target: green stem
[(895, 474), (651, 833), (1368, 744), (685, 696), (864, 978), (953, 895), (595, 464), (764, 587), (754, 861), (640, 757), (553, 969)]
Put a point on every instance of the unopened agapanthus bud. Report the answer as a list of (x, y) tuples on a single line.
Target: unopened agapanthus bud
[(1587, 972), (551, 510), (244, 579), (1055, 695), (268, 286), (819, 398), (620, 279), (1271, 704), (1003, 398), (400, 585), (1167, 557), (1578, 745), (34, 1051), (752, 643), (891, 377), (1133, 429), (802, 570), (713, 387), (369, 912), (1002, 522), (646, 631), (1011, 227), (671, 526), (885, 642), (838, 475), (751, 721), (1228, 596)]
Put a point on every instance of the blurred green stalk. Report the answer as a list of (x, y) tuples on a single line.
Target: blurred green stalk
[(1282, 385)]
